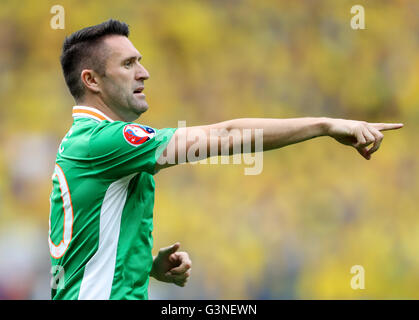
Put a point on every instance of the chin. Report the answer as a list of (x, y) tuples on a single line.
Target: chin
[(144, 108), (140, 109)]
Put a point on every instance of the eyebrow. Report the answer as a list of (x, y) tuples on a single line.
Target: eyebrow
[(139, 57)]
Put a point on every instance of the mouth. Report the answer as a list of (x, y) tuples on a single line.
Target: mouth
[(139, 90)]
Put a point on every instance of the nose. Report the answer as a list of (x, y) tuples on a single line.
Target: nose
[(142, 73)]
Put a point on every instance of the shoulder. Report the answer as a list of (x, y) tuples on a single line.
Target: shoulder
[(119, 135)]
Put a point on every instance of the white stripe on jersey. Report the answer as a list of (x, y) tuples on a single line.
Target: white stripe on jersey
[(99, 271)]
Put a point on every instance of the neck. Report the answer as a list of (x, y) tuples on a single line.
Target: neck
[(94, 102)]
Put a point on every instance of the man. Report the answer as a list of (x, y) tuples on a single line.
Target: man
[(103, 190), (103, 187)]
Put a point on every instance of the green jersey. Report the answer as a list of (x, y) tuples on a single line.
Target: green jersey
[(101, 217)]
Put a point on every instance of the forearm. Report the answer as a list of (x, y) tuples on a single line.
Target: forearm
[(238, 136), (278, 133)]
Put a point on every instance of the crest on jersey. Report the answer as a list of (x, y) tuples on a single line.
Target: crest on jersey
[(136, 134)]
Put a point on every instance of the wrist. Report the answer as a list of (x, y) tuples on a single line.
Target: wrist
[(325, 124), (152, 271)]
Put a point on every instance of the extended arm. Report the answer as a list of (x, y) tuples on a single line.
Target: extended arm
[(259, 134)]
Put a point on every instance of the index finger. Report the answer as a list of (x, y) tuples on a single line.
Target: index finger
[(386, 126)]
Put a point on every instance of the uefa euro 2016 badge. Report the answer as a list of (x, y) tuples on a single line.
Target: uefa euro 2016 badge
[(136, 134)]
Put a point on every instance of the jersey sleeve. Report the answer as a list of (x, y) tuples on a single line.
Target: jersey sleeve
[(119, 149)]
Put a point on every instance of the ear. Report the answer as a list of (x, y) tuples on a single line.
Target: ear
[(90, 80)]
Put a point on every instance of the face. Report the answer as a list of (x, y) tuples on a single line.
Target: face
[(122, 85)]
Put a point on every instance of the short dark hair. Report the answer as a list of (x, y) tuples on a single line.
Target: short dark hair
[(83, 50)]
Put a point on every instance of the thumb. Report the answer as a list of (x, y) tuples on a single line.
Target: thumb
[(169, 250)]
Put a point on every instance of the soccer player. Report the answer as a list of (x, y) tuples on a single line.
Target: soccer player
[(101, 218)]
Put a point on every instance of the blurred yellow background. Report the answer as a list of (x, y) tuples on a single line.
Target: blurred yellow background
[(317, 209)]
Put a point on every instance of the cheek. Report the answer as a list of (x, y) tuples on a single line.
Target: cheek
[(116, 86)]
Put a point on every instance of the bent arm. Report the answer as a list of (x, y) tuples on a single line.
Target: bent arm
[(238, 136)]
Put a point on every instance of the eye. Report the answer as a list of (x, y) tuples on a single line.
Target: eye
[(128, 63)]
